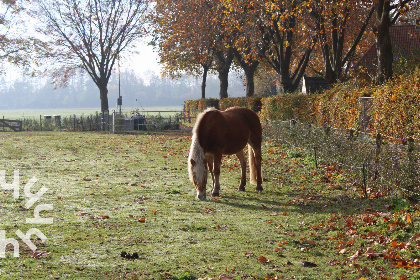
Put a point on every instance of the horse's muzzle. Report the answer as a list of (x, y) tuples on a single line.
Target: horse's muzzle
[(201, 196)]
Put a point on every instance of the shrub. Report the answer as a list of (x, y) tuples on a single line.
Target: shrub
[(397, 107), (287, 107), (253, 103)]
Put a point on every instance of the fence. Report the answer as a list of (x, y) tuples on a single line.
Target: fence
[(133, 121), (152, 121), (92, 122), (7, 125), (381, 167)]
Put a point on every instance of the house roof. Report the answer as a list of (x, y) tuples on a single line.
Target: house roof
[(405, 39)]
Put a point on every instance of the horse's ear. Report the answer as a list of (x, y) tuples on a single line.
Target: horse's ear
[(192, 162)]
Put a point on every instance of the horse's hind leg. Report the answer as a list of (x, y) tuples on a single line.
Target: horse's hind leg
[(217, 160), (255, 165), (257, 154), (241, 157)]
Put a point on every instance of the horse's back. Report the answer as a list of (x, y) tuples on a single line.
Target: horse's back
[(228, 130), (252, 119)]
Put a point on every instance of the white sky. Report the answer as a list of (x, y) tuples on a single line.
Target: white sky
[(146, 61)]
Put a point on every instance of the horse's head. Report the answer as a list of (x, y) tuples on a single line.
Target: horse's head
[(197, 169)]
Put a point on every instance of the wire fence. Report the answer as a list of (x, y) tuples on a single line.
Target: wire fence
[(381, 167), (134, 121), (152, 121)]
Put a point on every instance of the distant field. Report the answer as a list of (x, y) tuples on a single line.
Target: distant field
[(35, 113)]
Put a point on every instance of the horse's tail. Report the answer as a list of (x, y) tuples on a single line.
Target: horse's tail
[(252, 165)]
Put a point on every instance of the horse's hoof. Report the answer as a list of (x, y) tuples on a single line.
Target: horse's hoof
[(259, 188), (242, 189), (215, 194)]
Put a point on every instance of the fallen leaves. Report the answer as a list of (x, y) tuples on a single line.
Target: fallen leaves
[(222, 227), (98, 217), (39, 254), (263, 259), (221, 277)]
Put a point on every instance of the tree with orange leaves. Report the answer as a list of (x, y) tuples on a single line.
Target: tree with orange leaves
[(286, 40), (248, 48), (185, 38), (340, 26), (192, 35)]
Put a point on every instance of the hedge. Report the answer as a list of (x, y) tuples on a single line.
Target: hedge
[(397, 107), (287, 107), (193, 107), (253, 103)]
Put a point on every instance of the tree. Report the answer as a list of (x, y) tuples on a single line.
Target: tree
[(339, 25), (286, 43), (89, 35), (16, 45), (185, 38), (387, 13), (247, 46)]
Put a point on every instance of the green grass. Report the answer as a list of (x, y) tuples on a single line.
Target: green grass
[(114, 193)]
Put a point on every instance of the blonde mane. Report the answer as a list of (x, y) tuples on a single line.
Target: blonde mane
[(197, 152)]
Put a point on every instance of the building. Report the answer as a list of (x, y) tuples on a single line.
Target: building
[(405, 41), (313, 84)]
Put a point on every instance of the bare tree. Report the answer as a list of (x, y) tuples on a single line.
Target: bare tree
[(89, 35), (16, 45)]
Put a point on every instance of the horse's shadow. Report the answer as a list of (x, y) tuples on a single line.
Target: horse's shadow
[(296, 203)]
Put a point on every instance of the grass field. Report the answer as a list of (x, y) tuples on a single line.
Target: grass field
[(130, 193)]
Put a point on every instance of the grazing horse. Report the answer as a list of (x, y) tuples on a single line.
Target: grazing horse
[(218, 133)]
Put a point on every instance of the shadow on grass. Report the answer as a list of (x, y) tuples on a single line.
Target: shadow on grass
[(300, 202)]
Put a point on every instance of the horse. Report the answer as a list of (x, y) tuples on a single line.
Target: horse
[(217, 133)]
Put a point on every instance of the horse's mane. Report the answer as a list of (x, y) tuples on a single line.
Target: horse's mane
[(196, 151)]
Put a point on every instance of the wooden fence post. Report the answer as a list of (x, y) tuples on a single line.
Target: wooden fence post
[(351, 134), (377, 154), (74, 122), (412, 173)]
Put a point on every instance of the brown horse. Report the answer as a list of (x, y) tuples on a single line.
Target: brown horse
[(218, 133)]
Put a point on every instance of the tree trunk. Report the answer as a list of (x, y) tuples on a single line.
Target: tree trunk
[(383, 41), (224, 61), (250, 85), (224, 83), (103, 91), (204, 81), (249, 70)]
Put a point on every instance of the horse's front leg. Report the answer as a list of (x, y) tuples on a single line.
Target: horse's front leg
[(241, 157), (217, 160), (210, 160)]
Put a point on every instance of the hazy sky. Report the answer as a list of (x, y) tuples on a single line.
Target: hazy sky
[(143, 62)]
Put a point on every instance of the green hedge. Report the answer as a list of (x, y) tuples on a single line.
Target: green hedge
[(286, 107), (193, 107), (253, 103)]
